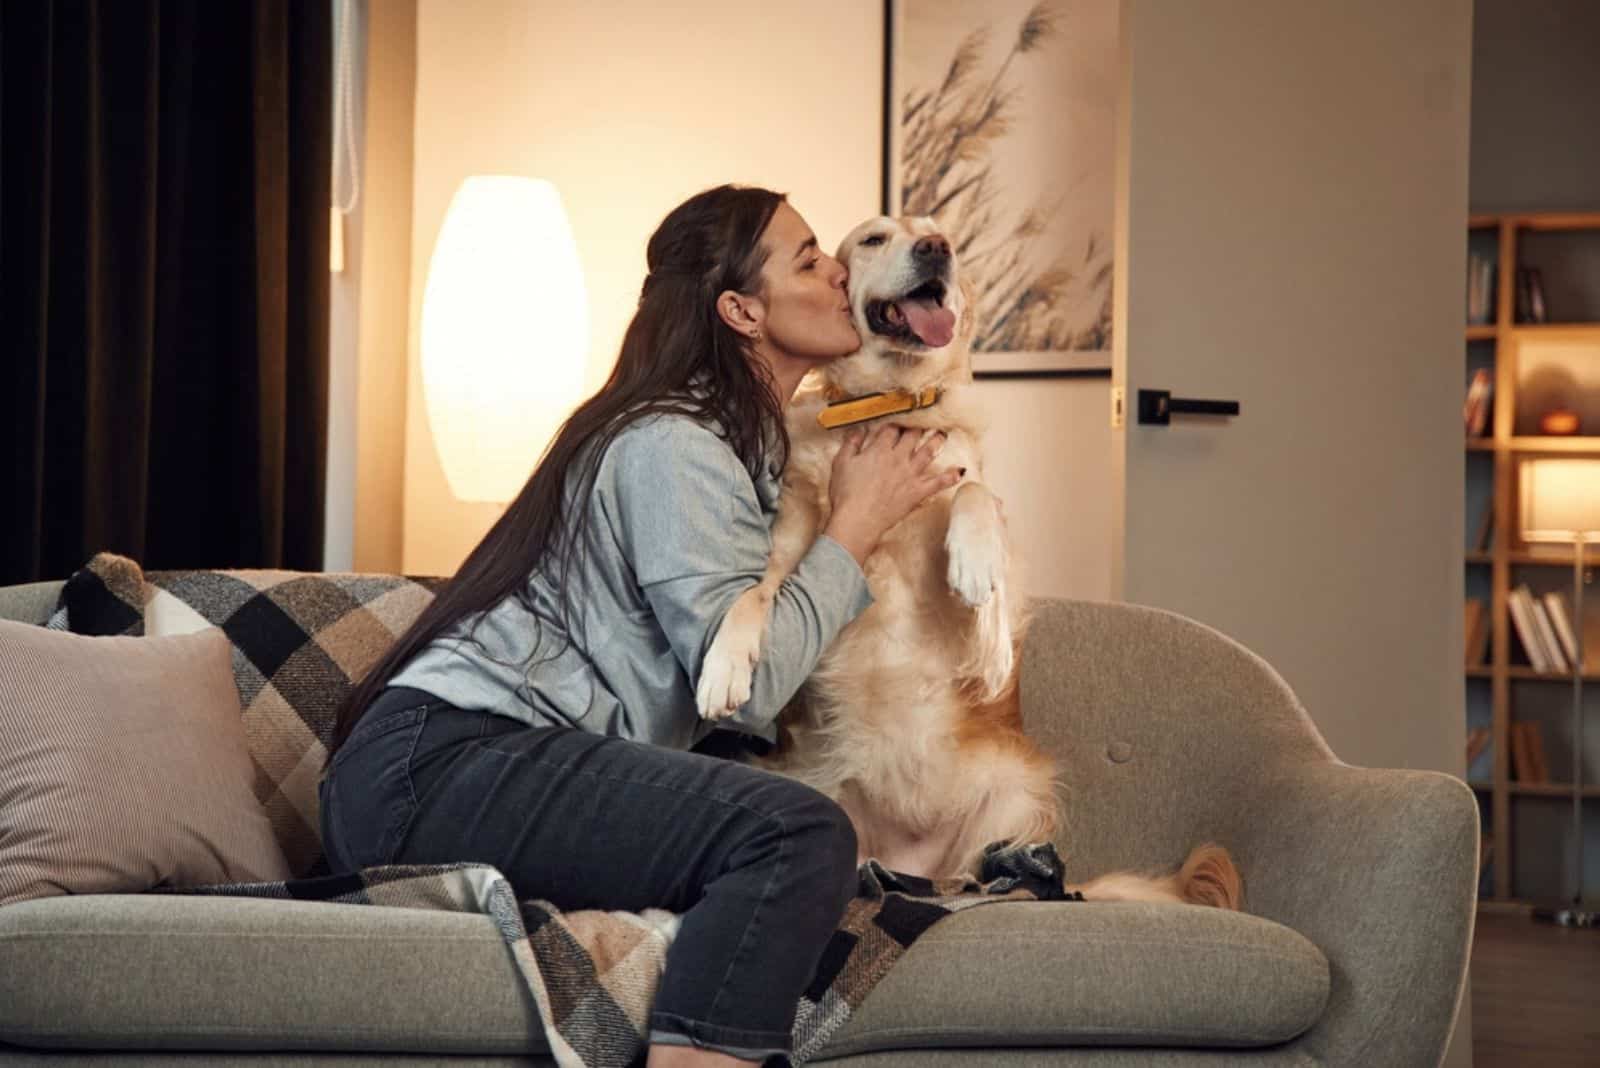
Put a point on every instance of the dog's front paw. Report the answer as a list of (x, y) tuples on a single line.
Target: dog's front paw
[(729, 668), (977, 563)]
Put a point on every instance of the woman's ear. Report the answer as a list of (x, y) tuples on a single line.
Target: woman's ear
[(742, 312)]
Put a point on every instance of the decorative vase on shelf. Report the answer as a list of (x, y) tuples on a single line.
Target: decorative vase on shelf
[(1560, 422)]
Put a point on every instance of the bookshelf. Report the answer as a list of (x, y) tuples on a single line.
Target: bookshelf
[(1526, 822)]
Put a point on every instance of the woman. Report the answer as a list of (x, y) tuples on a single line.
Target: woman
[(538, 714)]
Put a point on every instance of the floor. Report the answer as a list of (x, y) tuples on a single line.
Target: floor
[(1535, 994)]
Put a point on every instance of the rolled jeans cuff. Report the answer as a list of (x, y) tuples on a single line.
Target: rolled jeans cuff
[(669, 1030)]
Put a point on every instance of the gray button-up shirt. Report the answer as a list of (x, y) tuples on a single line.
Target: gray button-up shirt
[(678, 531)]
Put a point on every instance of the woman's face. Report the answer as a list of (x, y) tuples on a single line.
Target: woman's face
[(806, 312)]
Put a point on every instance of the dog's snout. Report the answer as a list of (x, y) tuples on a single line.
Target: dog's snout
[(932, 247)]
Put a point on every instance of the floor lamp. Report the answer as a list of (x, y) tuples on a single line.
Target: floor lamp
[(505, 333), (1561, 505)]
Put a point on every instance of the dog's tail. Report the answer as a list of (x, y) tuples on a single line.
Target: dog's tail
[(1208, 877)]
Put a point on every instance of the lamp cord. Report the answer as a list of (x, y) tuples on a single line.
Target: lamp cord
[(344, 110)]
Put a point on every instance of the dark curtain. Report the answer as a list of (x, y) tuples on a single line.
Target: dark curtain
[(163, 282)]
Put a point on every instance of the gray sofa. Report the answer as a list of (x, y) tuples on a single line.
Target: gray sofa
[(1360, 886)]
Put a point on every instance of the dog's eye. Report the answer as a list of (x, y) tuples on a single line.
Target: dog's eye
[(873, 239)]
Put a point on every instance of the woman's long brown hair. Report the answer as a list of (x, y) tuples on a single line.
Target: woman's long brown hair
[(678, 356)]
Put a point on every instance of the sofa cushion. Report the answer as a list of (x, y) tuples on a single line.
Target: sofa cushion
[(300, 640), (250, 974), (171, 972), (1096, 974), (123, 766)]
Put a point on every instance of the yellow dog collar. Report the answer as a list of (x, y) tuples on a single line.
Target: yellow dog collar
[(875, 405)]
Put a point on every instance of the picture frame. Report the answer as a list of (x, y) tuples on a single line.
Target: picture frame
[(1001, 124)]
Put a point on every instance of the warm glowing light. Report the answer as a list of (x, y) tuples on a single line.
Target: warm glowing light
[(505, 333), (1561, 500)]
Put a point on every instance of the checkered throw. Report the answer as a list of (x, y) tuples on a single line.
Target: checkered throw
[(300, 639), (593, 974)]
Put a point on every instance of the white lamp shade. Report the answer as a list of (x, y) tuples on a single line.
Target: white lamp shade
[(1560, 500), (505, 333)]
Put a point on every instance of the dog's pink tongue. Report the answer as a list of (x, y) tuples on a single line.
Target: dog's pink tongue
[(933, 324)]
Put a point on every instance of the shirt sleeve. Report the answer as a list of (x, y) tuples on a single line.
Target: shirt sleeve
[(691, 526)]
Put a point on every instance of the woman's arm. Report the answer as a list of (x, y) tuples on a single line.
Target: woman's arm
[(688, 520)]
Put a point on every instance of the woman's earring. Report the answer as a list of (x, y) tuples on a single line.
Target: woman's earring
[(755, 336)]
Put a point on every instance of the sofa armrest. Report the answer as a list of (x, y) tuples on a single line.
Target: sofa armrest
[(1379, 869), (1168, 734), (31, 602)]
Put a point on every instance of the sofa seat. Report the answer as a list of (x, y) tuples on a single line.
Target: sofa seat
[(163, 972)]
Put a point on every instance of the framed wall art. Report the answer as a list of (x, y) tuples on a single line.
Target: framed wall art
[(1000, 122)]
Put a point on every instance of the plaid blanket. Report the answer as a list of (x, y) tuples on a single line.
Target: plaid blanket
[(593, 974)]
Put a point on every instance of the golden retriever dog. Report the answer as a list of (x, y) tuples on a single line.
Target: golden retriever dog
[(911, 720)]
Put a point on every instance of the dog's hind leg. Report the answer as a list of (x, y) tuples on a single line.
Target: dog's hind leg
[(1015, 803)]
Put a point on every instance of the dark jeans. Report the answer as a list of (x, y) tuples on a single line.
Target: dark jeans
[(761, 867)]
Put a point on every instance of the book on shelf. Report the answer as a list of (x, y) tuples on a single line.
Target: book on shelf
[(1476, 408), (1555, 605), (1478, 739), (1477, 636), (1520, 604), (1537, 632), (1527, 752), (1485, 852), (1480, 289), (1483, 539), (1547, 636), (1530, 304), (1536, 308), (1529, 293)]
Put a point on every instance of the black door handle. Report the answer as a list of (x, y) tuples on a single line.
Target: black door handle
[(1156, 407)]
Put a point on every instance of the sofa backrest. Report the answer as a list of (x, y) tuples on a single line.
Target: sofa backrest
[(30, 603), (1161, 727), (1163, 730)]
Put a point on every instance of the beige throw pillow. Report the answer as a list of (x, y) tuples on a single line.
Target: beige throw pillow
[(123, 766)]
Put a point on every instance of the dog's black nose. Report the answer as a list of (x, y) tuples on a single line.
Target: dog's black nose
[(932, 247)]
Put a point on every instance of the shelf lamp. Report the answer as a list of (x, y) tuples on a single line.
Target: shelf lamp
[(504, 333), (1561, 505)]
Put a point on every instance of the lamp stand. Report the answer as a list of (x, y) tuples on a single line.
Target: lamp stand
[(1575, 915)]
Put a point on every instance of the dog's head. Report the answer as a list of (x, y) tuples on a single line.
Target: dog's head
[(907, 298)]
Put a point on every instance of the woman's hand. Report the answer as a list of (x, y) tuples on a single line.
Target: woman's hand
[(878, 477)]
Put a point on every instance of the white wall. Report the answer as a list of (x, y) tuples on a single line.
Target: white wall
[(1048, 456), (631, 106)]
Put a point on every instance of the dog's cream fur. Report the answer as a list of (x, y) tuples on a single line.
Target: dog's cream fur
[(910, 720)]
